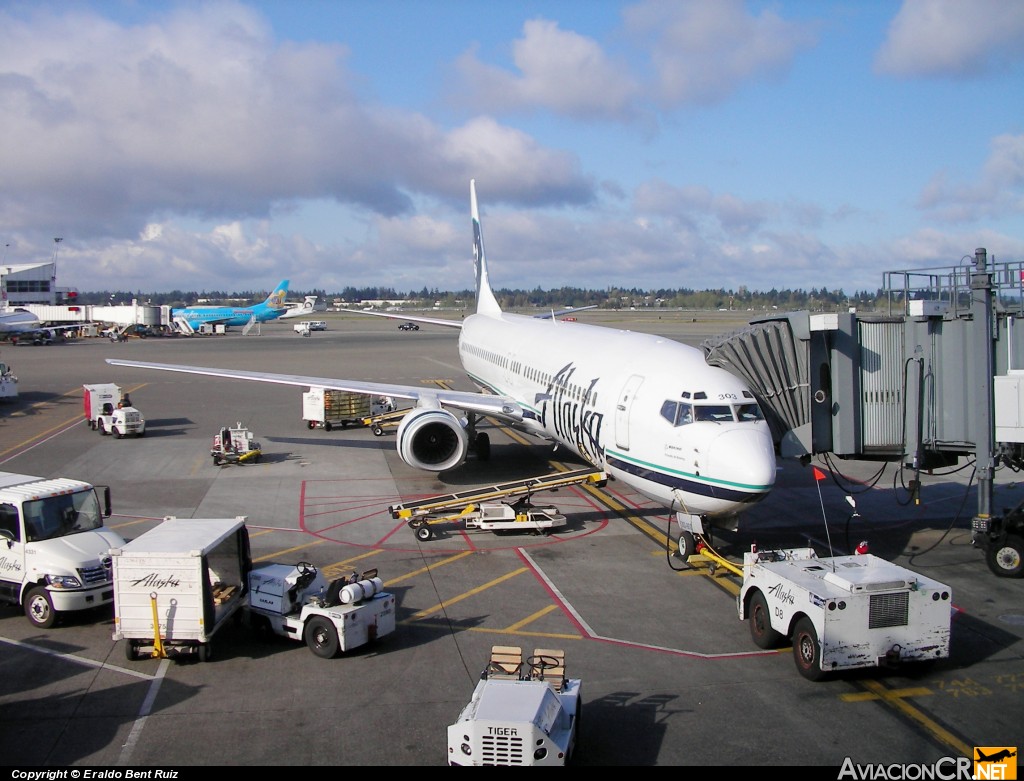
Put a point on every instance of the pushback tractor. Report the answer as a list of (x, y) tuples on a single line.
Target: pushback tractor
[(843, 612)]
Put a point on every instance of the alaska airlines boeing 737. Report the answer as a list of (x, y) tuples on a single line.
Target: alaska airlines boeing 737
[(270, 309), (647, 410)]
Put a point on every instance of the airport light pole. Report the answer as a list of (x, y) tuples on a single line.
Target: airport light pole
[(53, 280)]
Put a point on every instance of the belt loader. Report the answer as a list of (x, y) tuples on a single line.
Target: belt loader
[(843, 612)]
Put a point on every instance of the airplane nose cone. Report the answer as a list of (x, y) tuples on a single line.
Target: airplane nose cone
[(745, 458)]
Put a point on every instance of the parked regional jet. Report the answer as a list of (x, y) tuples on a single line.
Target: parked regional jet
[(17, 323), (270, 309), (647, 410)]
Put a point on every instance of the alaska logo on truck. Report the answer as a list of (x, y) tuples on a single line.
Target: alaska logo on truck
[(153, 580)]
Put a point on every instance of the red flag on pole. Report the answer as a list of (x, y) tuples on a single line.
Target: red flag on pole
[(818, 474)]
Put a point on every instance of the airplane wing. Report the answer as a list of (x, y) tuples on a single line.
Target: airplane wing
[(398, 316), (501, 407)]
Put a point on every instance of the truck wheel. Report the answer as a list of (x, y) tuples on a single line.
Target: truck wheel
[(311, 424), (806, 652), (1006, 558), (321, 637), (116, 432), (760, 617), (131, 651), (39, 608), (328, 425), (423, 533), (205, 652)]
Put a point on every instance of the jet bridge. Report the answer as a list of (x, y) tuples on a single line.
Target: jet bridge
[(936, 377)]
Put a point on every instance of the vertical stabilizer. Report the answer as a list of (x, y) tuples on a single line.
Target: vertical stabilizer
[(486, 303), (276, 299)]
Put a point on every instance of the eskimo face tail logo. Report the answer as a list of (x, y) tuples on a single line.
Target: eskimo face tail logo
[(277, 301), (995, 762)]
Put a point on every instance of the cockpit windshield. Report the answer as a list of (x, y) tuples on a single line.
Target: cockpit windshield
[(697, 407), (58, 516)]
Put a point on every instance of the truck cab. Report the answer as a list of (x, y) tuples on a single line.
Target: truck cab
[(54, 548)]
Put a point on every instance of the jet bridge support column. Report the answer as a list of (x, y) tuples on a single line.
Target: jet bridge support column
[(984, 336)]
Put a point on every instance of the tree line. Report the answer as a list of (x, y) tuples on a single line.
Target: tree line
[(815, 299)]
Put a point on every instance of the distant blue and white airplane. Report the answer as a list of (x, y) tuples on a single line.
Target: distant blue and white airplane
[(648, 410), (271, 309)]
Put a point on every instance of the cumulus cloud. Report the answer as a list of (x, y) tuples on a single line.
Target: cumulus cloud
[(998, 191), (952, 38), (202, 113), (558, 70), (703, 52)]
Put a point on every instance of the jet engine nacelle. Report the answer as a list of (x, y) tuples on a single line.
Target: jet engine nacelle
[(432, 439)]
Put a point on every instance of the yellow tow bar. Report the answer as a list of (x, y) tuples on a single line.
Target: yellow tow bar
[(158, 644), (705, 551)]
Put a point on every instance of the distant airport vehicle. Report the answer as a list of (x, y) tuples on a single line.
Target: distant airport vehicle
[(306, 327), (272, 308), (56, 550), (109, 411), (647, 410), (235, 446), (408, 327), (8, 383), (519, 714)]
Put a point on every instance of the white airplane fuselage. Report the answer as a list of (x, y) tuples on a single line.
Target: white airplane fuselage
[(611, 397)]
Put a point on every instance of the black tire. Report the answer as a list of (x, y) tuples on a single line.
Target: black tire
[(311, 424), (116, 432), (205, 652), (142, 433), (806, 650), (687, 545), (483, 447), (760, 618), (423, 533), (131, 651), (328, 425), (39, 608), (378, 431), (1006, 558), (321, 637)]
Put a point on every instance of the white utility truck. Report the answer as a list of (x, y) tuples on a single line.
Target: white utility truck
[(55, 550), (843, 612), (326, 408), (177, 584), (109, 411), (520, 714), (8, 383), (297, 602)]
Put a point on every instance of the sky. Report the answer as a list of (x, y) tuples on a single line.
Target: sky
[(690, 144)]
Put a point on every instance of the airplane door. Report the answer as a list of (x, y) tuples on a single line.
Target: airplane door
[(622, 409)]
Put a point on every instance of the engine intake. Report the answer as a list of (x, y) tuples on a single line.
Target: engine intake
[(432, 439)]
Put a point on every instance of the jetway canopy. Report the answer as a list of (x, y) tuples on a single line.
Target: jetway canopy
[(869, 386)]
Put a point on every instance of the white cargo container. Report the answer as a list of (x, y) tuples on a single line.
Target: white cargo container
[(176, 585), (326, 408)]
